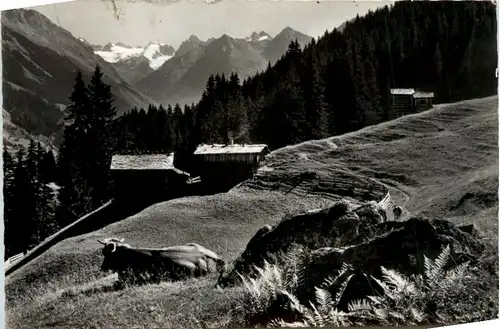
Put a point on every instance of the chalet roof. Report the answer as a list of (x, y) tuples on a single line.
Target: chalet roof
[(230, 149), (421, 94), (143, 162), (400, 91)]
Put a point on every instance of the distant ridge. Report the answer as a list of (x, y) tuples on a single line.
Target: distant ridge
[(182, 78)]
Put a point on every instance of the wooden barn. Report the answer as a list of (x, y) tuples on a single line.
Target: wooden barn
[(422, 101), (227, 165), (146, 177), (408, 101)]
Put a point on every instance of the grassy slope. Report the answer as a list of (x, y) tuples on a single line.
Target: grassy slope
[(442, 163), (430, 161)]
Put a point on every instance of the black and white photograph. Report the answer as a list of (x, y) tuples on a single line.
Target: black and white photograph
[(250, 164)]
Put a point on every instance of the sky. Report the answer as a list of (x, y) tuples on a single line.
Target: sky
[(171, 21)]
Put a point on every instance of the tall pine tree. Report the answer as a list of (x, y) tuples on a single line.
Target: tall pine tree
[(100, 138), (73, 164)]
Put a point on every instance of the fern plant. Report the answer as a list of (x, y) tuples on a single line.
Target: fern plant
[(419, 299), (439, 280), (405, 300), (324, 311), (276, 285), (397, 303)]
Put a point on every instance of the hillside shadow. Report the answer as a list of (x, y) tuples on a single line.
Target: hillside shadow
[(120, 208), (111, 212)]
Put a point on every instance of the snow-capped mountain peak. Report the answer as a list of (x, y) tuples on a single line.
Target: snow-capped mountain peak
[(113, 53), (261, 36), (155, 53)]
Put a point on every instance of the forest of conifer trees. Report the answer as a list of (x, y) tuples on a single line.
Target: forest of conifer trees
[(29, 198), (338, 83)]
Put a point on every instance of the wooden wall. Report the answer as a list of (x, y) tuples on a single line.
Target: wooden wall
[(139, 184), (402, 104), (221, 172), (422, 104), (406, 104), (241, 158)]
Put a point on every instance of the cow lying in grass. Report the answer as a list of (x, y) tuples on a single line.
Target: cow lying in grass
[(141, 265)]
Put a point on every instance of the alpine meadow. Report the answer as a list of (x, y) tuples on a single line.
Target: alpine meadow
[(182, 175)]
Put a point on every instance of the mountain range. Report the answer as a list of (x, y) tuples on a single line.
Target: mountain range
[(134, 63), (180, 76), (40, 61)]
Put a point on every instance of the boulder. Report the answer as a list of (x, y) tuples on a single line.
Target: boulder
[(361, 237), (394, 245), (334, 226)]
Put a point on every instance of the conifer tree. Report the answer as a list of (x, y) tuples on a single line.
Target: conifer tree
[(151, 132), (101, 139), (177, 127), (23, 206), (170, 130), (73, 164), (45, 197), (316, 106), (161, 129), (438, 62), (217, 123), (48, 166), (9, 166), (32, 197), (86, 150)]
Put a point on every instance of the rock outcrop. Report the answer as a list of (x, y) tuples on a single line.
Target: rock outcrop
[(361, 237), (335, 226), (395, 245)]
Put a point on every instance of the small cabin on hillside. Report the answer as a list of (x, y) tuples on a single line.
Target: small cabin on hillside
[(422, 101), (228, 165), (146, 176), (408, 101)]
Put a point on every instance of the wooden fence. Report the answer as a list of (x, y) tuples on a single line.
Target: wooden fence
[(385, 202), (110, 212), (71, 230), (12, 260), (341, 184)]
